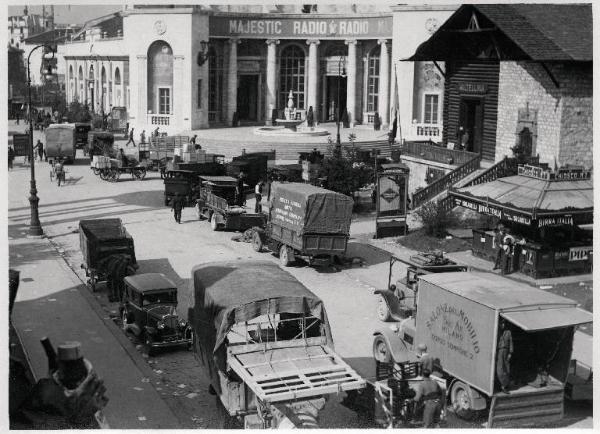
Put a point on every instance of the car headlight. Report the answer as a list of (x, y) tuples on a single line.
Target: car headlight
[(160, 325)]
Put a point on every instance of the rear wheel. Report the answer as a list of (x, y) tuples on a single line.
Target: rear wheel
[(381, 352), (257, 243), (286, 255), (461, 401), (383, 311)]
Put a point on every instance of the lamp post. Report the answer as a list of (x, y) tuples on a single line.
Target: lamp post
[(341, 73), (35, 227)]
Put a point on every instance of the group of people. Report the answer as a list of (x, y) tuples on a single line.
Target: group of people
[(509, 248)]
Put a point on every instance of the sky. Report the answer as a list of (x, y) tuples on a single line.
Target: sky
[(64, 14)]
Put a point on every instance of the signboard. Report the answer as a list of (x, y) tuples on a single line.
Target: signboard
[(475, 88), (555, 220), (291, 27), (579, 253), (20, 144), (493, 210), (548, 175), (392, 190)]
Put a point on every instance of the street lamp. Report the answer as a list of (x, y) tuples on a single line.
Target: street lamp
[(35, 227), (341, 73)]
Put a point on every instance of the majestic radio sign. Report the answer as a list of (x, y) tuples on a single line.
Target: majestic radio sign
[(292, 27)]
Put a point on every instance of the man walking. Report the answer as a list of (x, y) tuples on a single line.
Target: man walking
[(11, 157), (143, 137), (429, 394), (498, 243), (177, 207), (258, 197), (40, 149), (130, 138)]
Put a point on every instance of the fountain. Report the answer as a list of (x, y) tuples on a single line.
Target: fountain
[(289, 125)]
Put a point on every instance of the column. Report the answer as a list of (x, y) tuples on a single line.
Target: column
[(142, 100), (384, 83), (232, 80), (351, 81), (123, 101), (177, 105), (313, 76), (271, 78)]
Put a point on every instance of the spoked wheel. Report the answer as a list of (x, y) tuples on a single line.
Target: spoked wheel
[(286, 256), (461, 401), (96, 171), (381, 352), (257, 243), (140, 173), (104, 174), (115, 175), (383, 311)]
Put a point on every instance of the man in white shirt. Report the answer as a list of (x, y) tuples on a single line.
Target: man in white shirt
[(258, 197)]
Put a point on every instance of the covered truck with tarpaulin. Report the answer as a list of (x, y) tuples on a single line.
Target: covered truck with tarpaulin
[(305, 220), (266, 343)]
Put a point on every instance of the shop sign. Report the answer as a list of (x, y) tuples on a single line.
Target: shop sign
[(248, 66), (533, 172), (572, 175), (301, 28), (579, 253), (555, 221), (493, 210), (477, 88)]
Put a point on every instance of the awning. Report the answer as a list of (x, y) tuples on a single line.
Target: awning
[(545, 319)]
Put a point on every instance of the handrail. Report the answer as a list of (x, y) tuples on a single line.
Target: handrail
[(443, 183), (505, 167), (433, 152)]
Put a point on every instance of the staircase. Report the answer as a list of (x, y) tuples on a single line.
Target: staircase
[(530, 408)]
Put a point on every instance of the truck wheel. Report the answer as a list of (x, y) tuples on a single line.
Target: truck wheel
[(286, 256), (198, 212), (257, 243), (461, 401), (381, 352), (383, 311)]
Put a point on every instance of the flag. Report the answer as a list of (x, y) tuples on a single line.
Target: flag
[(395, 129)]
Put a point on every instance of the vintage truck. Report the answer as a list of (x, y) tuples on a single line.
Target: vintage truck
[(265, 342), (60, 142), (458, 319), (306, 221), (216, 203)]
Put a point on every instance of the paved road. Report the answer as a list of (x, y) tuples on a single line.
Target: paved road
[(164, 246)]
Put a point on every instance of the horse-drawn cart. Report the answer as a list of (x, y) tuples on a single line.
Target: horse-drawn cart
[(100, 239)]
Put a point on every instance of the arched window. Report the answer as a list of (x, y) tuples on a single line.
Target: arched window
[(373, 80), (292, 76), (526, 142), (215, 84), (81, 85), (118, 95), (160, 78), (117, 77)]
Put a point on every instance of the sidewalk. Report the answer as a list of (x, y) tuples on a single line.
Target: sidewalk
[(53, 302)]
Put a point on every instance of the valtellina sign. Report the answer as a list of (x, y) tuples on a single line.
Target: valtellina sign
[(288, 27)]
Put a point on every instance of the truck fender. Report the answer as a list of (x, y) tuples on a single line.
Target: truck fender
[(261, 233), (397, 347), (477, 399), (390, 297)]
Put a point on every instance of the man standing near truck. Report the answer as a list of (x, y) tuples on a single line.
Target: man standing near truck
[(505, 350), (429, 394), (258, 197), (425, 358), (177, 207)]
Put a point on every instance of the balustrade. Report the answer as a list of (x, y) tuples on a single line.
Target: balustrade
[(159, 119), (430, 151)]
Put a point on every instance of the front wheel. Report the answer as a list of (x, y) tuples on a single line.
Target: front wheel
[(461, 401), (383, 311), (286, 255), (214, 225), (381, 352), (257, 243)]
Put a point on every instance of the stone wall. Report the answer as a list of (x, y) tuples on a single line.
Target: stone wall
[(564, 113)]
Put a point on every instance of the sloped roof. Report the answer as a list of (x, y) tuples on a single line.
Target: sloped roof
[(546, 31), (108, 23), (55, 36)]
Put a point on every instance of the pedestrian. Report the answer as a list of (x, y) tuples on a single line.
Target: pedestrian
[(507, 256), (130, 138), (143, 137), (126, 129), (40, 149), (156, 132), (498, 243), (11, 157), (426, 360), (505, 350), (59, 171), (240, 200), (429, 396), (258, 197), (177, 207)]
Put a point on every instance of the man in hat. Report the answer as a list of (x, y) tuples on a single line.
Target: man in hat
[(429, 396), (177, 207), (425, 358)]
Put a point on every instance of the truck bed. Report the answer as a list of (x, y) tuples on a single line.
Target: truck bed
[(286, 373)]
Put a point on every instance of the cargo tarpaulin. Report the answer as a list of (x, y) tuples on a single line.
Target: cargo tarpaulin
[(304, 208), (226, 293)]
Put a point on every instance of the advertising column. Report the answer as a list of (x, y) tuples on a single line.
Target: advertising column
[(351, 83), (271, 78), (384, 83), (313, 75), (232, 80)]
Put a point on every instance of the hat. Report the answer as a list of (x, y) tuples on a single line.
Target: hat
[(422, 347), (69, 351)]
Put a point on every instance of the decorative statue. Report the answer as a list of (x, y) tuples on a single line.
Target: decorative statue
[(290, 112)]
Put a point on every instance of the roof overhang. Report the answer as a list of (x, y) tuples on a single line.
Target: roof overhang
[(546, 319)]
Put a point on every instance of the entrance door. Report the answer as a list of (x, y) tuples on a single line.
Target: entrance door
[(247, 97), (471, 119), (332, 96)]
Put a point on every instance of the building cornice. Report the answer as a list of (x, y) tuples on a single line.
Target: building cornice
[(270, 15), (417, 8), (159, 11)]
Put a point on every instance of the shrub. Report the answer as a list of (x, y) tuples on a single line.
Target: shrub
[(435, 218)]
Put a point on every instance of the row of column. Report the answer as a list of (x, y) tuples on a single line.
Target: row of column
[(313, 78), (95, 86)]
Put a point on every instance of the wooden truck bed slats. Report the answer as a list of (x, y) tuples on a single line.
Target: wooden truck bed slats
[(283, 378)]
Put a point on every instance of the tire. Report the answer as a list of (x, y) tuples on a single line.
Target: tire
[(142, 174), (213, 223), (96, 171), (257, 243), (381, 352), (383, 311), (286, 255), (461, 401)]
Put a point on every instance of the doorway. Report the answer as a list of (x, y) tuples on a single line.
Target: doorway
[(247, 97), (333, 82), (471, 120)]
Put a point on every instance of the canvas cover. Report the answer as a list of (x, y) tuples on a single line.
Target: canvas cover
[(225, 293), (304, 208)]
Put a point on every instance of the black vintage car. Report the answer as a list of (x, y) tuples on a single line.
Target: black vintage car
[(149, 310)]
